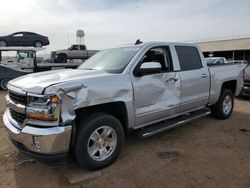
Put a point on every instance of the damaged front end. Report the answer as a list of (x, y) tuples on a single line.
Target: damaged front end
[(43, 125), (34, 125)]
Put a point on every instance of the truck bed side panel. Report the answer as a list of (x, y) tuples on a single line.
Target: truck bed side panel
[(221, 74)]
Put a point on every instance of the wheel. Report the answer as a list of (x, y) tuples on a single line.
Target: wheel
[(4, 83), (38, 44), (62, 58), (224, 107), (3, 43), (99, 141)]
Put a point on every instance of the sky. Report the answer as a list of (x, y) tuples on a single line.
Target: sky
[(109, 23)]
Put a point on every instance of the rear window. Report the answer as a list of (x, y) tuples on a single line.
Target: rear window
[(189, 57)]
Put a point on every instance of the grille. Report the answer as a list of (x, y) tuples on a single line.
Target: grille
[(17, 116), (20, 99)]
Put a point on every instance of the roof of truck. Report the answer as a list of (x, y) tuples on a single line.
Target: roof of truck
[(157, 43)]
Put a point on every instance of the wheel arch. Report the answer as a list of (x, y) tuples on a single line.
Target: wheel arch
[(231, 85), (37, 41), (117, 109)]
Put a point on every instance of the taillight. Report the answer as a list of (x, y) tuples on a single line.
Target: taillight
[(46, 38)]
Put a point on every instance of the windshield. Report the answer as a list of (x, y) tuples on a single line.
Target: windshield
[(112, 60), (23, 55)]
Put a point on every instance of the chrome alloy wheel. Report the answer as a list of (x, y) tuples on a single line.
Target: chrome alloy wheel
[(3, 43), (102, 143), (38, 45), (227, 104)]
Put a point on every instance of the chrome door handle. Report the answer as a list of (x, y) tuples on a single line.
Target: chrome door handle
[(204, 75), (172, 80)]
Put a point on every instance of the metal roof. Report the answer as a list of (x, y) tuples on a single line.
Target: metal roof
[(18, 48), (225, 45)]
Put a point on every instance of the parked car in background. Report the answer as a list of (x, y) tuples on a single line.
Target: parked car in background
[(246, 87), (76, 51), (24, 39), (216, 60)]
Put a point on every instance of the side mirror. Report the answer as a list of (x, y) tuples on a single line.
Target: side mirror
[(149, 68)]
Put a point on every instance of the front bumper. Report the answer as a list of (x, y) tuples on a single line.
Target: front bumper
[(54, 159), (45, 142)]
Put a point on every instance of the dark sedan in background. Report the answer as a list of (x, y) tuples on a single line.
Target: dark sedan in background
[(24, 39)]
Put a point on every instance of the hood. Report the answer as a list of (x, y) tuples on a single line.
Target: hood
[(37, 82)]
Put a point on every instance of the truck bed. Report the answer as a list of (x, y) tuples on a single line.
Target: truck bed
[(220, 74)]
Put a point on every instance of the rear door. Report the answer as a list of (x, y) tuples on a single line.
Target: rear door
[(30, 38), (195, 78), (156, 96), (74, 52)]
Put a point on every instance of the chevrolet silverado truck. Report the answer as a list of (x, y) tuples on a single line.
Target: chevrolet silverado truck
[(74, 52), (86, 112)]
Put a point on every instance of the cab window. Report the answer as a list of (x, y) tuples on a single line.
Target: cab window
[(160, 55), (189, 57)]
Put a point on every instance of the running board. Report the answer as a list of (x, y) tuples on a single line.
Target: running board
[(172, 123)]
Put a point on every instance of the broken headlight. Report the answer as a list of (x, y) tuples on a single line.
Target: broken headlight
[(45, 108)]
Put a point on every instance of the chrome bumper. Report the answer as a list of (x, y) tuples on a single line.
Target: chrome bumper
[(45, 140)]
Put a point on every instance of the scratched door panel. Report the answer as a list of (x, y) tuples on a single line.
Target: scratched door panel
[(156, 96)]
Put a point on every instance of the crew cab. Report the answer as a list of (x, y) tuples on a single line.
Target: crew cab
[(76, 51), (86, 112)]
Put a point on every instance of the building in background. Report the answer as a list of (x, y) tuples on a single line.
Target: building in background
[(231, 49)]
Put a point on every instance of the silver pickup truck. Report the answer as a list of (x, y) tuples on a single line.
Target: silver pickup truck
[(74, 52), (87, 112)]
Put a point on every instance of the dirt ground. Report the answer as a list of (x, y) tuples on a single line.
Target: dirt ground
[(213, 153)]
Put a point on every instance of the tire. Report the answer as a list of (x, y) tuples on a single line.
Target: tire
[(62, 58), (4, 83), (224, 107), (38, 44), (91, 129), (3, 43)]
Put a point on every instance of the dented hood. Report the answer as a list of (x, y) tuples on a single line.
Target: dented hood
[(37, 82)]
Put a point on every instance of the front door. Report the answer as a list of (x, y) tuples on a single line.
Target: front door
[(17, 39), (156, 96)]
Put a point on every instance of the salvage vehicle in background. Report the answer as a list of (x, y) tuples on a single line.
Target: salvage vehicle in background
[(149, 87), (24, 39), (76, 51), (246, 86), (216, 61), (25, 63)]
